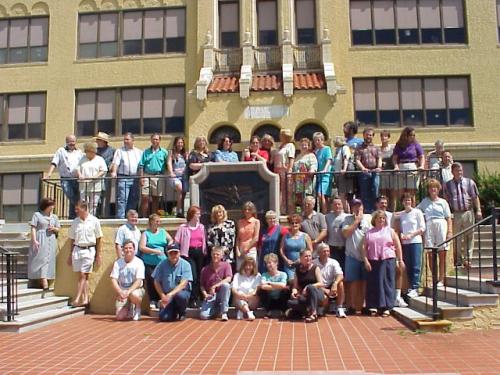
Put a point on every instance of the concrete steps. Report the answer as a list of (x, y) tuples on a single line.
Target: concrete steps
[(41, 319), (446, 310), (465, 297), (472, 283)]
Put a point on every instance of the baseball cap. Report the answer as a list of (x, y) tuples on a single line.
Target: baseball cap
[(173, 247), (355, 202)]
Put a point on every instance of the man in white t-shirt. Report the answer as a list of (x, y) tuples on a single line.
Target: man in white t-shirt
[(333, 278), (66, 161), (127, 277), (128, 232)]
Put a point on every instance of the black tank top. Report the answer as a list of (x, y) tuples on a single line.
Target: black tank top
[(305, 277)]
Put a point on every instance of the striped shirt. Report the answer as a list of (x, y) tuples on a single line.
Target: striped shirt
[(460, 194)]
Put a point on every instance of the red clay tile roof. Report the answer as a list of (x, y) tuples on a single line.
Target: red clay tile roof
[(224, 84), (266, 82), (308, 81)]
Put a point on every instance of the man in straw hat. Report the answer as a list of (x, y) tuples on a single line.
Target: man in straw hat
[(106, 152)]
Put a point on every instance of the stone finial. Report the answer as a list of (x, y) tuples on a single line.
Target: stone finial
[(326, 34), (248, 37), (286, 35), (208, 38)]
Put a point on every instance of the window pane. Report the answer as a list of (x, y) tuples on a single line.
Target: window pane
[(88, 28), (88, 50), (108, 27), (17, 109), (1, 109), (228, 17), (38, 53), (388, 101), (36, 109), (152, 103), (267, 23), (131, 104), (305, 16), (364, 101), (430, 21), (406, 13), (174, 109), (106, 104), (383, 15), (411, 101), (435, 101), (11, 193), (18, 55), (18, 33), (361, 23), (175, 23), (458, 101), (39, 32), (453, 21), (132, 25), (85, 107), (35, 131), (3, 33), (153, 32), (31, 188)]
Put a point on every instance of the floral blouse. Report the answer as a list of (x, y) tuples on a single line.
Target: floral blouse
[(223, 234)]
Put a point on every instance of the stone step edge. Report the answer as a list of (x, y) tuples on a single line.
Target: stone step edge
[(444, 308), (25, 306), (416, 321), (37, 320)]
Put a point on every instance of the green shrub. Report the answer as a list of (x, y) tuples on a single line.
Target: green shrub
[(489, 190)]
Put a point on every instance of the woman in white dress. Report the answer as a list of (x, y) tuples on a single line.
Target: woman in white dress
[(42, 254)]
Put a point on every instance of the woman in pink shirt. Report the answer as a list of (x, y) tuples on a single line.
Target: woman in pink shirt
[(380, 249), (191, 238), (248, 234)]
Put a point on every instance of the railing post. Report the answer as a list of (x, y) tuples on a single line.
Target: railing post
[(494, 218), (435, 313), (10, 315)]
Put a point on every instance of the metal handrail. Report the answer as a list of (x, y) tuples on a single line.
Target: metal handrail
[(8, 282)]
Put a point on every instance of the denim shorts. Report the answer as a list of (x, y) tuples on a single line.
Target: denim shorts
[(354, 269)]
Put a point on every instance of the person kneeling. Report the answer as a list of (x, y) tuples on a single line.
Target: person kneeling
[(127, 278), (172, 278), (215, 287), (245, 285), (333, 280), (307, 292)]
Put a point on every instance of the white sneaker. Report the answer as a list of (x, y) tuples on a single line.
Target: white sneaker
[(137, 315), (250, 315), (440, 283), (400, 302), (152, 306), (131, 311), (224, 317), (239, 315), (412, 293), (341, 312)]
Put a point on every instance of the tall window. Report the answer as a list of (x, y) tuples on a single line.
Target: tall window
[(436, 101), (132, 33), (20, 195), (305, 20), (22, 116), (136, 110), (267, 22), (229, 24), (24, 40), (389, 22)]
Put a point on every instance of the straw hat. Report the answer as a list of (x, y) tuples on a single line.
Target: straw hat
[(102, 136)]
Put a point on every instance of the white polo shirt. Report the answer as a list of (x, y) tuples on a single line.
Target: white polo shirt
[(329, 271), (128, 232), (67, 161), (85, 232), (127, 160)]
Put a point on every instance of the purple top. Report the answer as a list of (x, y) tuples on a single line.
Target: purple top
[(210, 277), (410, 154)]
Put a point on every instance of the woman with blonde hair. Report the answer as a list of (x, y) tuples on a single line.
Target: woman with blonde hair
[(248, 233), (245, 286), (283, 159), (270, 239), (90, 168), (304, 167), (267, 145), (199, 155), (221, 233), (324, 180)]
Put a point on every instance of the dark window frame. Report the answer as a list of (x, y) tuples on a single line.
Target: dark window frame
[(4, 113), (29, 48), (419, 28), (315, 32), (238, 38), (424, 110), (120, 32), (259, 42), (22, 206), (118, 110)]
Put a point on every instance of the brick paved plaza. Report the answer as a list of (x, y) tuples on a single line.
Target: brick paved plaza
[(96, 344)]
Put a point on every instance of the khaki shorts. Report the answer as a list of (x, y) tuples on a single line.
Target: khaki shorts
[(154, 185), (139, 292), (83, 259)]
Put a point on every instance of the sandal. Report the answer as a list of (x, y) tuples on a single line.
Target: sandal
[(311, 318)]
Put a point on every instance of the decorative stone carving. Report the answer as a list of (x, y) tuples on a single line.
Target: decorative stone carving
[(109, 5), (286, 35), (132, 4), (208, 39), (232, 184), (19, 10), (40, 9), (3, 11), (87, 6), (152, 3)]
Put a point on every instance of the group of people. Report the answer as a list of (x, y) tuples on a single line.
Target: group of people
[(347, 257)]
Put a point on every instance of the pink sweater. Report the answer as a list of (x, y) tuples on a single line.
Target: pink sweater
[(380, 244), (183, 237)]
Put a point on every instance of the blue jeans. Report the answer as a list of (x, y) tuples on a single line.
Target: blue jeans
[(72, 192), (218, 302), (369, 186), (176, 308), (127, 196), (412, 256)]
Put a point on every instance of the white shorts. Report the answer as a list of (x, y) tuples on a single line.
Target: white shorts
[(83, 259), (435, 233)]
